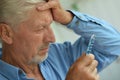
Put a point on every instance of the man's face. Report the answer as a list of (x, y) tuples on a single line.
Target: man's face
[(33, 36)]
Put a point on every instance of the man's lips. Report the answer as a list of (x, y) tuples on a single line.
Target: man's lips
[(44, 49)]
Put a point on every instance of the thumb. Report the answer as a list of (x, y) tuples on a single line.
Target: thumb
[(85, 59)]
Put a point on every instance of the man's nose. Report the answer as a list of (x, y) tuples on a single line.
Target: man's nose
[(49, 35)]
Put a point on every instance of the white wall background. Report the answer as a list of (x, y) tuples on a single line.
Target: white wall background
[(105, 9)]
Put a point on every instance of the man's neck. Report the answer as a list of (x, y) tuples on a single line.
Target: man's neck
[(31, 70), (36, 74)]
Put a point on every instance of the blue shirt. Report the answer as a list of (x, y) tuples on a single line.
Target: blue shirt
[(62, 56)]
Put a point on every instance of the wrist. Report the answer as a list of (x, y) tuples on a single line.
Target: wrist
[(68, 17)]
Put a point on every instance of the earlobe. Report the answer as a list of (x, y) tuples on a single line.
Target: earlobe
[(6, 33)]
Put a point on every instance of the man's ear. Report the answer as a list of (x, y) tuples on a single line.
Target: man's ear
[(6, 33)]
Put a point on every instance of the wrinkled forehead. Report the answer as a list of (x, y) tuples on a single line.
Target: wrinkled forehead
[(37, 18), (34, 17)]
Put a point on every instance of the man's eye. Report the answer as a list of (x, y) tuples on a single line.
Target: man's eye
[(41, 28)]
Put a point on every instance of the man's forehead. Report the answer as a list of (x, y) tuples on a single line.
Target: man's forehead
[(40, 18)]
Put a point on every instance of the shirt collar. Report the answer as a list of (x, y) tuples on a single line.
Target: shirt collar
[(11, 72), (8, 70)]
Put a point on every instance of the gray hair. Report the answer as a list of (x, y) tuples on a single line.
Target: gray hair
[(12, 12)]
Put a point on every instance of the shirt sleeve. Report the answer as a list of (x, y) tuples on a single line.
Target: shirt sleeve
[(107, 42)]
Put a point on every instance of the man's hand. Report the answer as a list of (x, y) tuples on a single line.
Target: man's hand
[(84, 69), (59, 14)]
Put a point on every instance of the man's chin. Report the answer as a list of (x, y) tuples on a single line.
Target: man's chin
[(38, 59)]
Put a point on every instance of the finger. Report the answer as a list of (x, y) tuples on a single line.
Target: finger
[(95, 75), (93, 65), (91, 56), (98, 77), (85, 60), (95, 71), (47, 5)]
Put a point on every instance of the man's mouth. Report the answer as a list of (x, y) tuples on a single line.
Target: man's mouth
[(44, 50)]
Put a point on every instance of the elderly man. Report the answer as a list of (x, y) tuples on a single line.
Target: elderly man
[(28, 48)]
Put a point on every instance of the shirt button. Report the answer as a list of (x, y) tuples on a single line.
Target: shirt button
[(79, 16), (77, 22)]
